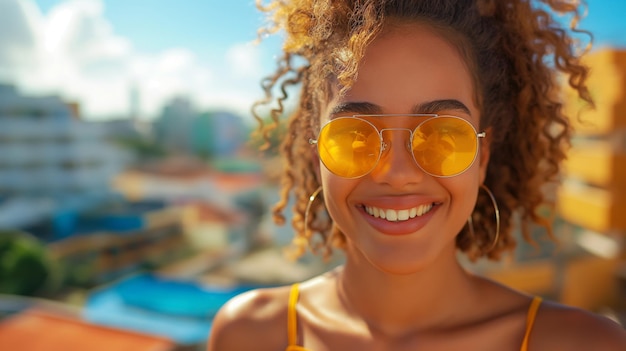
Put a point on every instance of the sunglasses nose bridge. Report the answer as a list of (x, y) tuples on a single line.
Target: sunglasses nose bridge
[(397, 134), (386, 143), (397, 167)]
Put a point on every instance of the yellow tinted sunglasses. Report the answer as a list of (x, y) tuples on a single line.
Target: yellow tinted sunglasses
[(442, 146)]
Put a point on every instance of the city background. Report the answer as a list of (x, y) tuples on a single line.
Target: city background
[(134, 203)]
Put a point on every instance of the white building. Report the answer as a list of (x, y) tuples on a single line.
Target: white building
[(47, 152)]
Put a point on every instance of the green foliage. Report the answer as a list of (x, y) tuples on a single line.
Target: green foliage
[(79, 273), (143, 148), (25, 266)]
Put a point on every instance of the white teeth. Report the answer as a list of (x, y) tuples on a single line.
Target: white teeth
[(398, 215), (403, 215), (420, 211)]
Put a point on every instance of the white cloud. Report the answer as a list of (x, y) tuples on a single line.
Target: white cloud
[(168, 74), (244, 60), (19, 41), (74, 51)]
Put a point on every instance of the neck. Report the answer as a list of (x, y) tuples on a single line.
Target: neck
[(396, 303)]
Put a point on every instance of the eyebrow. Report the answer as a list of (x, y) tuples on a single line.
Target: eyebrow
[(440, 105), (358, 108), (366, 108)]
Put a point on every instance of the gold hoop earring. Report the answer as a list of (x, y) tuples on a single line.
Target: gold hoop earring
[(308, 209), (470, 222)]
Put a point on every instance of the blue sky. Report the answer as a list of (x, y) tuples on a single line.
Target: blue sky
[(198, 24), (154, 25), (167, 48), (606, 20)]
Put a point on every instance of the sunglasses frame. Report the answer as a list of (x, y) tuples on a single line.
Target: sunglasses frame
[(384, 145)]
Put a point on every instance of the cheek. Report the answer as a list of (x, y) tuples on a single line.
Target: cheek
[(336, 193), (464, 190), (334, 187)]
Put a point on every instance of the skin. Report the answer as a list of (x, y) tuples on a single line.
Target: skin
[(406, 292)]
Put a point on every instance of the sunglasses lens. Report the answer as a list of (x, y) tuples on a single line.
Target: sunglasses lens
[(349, 147), (445, 146)]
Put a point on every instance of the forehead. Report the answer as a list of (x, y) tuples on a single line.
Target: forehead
[(408, 66)]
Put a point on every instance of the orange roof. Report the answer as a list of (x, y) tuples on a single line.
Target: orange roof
[(237, 181), (208, 212), (36, 330)]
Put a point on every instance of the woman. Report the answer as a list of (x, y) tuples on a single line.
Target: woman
[(424, 126)]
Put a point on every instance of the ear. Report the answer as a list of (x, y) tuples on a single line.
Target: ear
[(484, 154)]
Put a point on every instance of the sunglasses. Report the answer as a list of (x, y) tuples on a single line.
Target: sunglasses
[(441, 145)]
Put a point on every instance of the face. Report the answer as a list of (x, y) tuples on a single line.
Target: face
[(406, 70)]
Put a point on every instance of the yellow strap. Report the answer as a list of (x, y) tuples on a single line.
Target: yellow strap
[(292, 326), (530, 321)]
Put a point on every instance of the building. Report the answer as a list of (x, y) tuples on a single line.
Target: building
[(52, 162), (220, 134), (216, 134), (173, 127)]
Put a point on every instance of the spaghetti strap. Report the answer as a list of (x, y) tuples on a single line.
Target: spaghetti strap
[(530, 321), (292, 321)]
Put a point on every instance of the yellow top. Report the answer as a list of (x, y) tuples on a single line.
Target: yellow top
[(530, 321), (292, 327)]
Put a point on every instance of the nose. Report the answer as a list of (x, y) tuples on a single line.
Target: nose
[(396, 166)]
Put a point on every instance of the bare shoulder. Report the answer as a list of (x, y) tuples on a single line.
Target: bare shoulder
[(560, 327), (255, 320)]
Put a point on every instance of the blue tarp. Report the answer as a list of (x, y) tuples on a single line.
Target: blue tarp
[(180, 310)]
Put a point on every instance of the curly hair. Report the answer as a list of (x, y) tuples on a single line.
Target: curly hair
[(517, 53)]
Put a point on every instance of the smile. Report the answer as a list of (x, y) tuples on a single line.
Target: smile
[(398, 215)]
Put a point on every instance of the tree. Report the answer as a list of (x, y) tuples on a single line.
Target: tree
[(25, 266)]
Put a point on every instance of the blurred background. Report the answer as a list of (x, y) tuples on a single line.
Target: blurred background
[(134, 203)]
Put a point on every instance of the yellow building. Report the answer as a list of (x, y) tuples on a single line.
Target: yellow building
[(593, 194)]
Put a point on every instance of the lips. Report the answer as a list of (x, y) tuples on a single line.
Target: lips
[(399, 215), (394, 215)]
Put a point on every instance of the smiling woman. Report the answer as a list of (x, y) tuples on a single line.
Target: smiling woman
[(424, 126)]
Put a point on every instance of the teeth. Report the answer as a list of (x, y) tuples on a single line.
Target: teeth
[(403, 215), (398, 215)]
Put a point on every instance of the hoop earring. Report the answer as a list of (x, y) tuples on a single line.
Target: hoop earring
[(470, 222), (308, 209)]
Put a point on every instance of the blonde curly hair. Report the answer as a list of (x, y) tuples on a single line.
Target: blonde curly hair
[(516, 52)]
